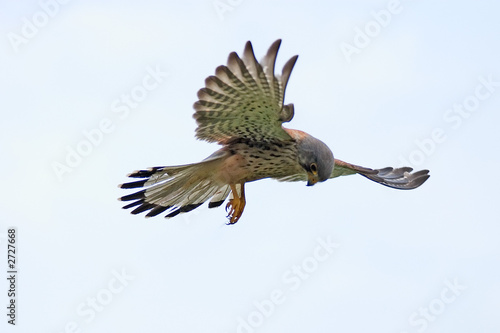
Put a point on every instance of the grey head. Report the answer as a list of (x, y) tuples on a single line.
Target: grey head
[(316, 159)]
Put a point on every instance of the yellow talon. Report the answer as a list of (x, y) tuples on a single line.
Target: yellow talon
[(236, 205)]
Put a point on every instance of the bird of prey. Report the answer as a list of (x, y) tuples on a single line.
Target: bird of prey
[(242, 109)]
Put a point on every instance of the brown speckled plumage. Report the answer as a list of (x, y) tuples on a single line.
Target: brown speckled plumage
[(242, 108)]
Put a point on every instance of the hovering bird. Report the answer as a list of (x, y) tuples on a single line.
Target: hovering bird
[(242, 109)]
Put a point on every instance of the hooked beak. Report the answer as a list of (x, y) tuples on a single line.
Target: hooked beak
[(311, 179)]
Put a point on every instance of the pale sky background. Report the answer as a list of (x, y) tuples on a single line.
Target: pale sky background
[(404, 261)]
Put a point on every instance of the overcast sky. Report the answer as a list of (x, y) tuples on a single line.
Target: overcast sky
[(93, 90)]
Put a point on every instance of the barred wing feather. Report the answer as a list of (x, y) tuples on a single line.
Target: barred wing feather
[(245, 100)]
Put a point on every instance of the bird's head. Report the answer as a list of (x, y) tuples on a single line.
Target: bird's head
[(316, 159)]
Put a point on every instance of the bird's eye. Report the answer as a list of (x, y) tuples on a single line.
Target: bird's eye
[(314, 168)]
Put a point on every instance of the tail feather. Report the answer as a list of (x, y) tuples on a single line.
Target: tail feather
[(219, 197), (157, 210), (177, 189)]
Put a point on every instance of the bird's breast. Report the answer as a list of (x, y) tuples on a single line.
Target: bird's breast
[(252, 161)]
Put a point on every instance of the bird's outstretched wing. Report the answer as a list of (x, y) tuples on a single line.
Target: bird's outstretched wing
[(245, 99), (399, 178)]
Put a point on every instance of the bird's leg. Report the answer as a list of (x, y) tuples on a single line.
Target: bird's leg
[(236, 204)]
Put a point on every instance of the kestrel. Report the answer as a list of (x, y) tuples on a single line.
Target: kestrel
[(242, 109)]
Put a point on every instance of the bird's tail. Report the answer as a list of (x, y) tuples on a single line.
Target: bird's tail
[(177, 189)]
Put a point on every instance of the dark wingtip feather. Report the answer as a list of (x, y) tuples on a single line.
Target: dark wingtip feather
[(142, 208), (414, 180), (133, 196), (419, 180), (421, 173), (215, 203), (144, 173), (157, 210), (248, 46), (173, 213), (190, 207), (400, 178), (184, 209), (133, 204), (136, 184)]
